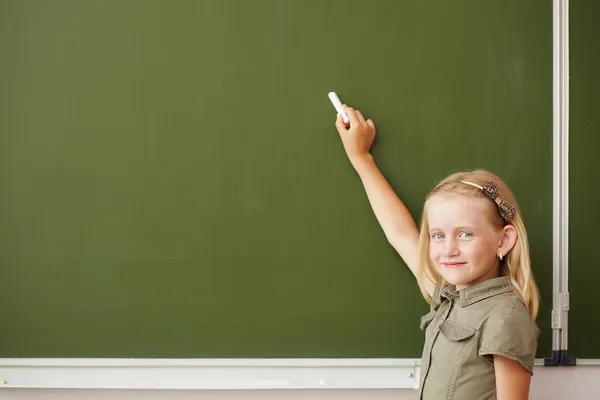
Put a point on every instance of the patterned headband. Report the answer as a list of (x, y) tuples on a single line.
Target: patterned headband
[(506, 210)]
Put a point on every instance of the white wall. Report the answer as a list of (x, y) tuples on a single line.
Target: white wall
[(549, 383)]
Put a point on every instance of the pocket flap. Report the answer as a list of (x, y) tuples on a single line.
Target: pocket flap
[(426, 319), (455, 331)]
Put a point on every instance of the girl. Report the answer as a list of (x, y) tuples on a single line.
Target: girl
[(471, 261)]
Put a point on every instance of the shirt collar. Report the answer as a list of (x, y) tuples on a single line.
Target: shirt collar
[(477, 292)]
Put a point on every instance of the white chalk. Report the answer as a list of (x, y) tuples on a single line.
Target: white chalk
[(338, 106)]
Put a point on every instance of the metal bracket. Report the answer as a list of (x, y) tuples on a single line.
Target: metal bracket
[(558, 314)]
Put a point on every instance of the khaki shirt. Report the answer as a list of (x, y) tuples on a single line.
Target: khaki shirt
[(463, 333)]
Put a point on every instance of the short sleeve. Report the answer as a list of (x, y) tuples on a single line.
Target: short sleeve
[(511, 334)]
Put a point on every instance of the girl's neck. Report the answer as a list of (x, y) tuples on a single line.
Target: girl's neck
[(491, 274)]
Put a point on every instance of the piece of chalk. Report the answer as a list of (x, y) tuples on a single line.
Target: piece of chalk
[(338, 106)]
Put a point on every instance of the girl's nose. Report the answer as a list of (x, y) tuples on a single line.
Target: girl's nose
[(451, 248)]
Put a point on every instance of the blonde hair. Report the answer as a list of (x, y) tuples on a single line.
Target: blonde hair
[(516, 265)]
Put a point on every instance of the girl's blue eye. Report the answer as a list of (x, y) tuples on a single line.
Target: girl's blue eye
[(437, 236), (465, 234)]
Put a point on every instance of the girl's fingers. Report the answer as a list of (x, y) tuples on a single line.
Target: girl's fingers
[(361, 118), (371, 124), (351, 115), (340, 125)]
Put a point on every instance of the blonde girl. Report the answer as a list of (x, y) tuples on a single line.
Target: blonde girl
[(471, 261)]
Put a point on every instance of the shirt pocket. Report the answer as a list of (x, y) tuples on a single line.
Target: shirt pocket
[(456, 332), (427, 318)]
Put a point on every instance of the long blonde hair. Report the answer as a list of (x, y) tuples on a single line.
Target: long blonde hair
[(516, 264)]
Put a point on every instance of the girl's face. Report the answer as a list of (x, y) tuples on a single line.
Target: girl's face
[(463, 243)]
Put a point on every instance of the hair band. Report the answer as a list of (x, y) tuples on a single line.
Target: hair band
[(506, 210)]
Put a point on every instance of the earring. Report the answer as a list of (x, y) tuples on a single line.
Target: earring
[(500, 256)]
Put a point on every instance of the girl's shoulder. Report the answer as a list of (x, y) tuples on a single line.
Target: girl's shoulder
[(510, 331), (509, 308)]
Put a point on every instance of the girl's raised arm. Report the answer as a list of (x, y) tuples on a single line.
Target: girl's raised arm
[(393, 216)]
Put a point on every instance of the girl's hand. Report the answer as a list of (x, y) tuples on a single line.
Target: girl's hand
[(358, 136)]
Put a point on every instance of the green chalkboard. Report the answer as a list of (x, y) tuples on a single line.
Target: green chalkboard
[(173, 184), (584, 175)]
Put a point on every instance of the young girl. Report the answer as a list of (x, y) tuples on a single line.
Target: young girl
[(471, 261)]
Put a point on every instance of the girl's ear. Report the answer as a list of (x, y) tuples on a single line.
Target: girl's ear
[(508, 239)]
